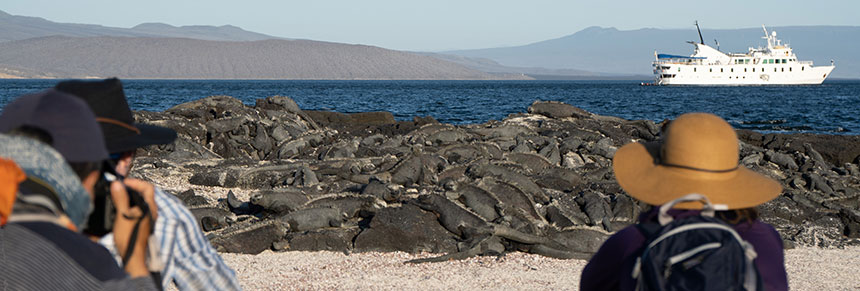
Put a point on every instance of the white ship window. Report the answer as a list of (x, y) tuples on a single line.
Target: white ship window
[(802, 68), (782, 69), (774, 70), (789, 69), (694, 69), (745, 70), (721, 70), (679, 69), (753, 70), (732, 70), (711, 70)]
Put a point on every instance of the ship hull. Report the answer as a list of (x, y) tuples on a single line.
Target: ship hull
[(704, 75), (735, 75)]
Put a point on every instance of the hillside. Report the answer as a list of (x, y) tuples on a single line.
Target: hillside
[(493, 67), (609, 50), (13, 27), (125, 57)]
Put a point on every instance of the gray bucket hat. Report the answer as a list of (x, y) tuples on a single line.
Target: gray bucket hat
[(46, 167)]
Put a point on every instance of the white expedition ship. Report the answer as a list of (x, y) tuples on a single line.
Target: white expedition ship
[(774, 65)]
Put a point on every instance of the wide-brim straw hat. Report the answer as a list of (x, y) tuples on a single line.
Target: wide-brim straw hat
[(698, 154)]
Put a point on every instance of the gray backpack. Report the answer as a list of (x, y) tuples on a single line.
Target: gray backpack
[(700, 252)]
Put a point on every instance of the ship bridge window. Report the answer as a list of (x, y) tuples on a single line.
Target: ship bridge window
[(784, 61), (746, 61), (667, 75)]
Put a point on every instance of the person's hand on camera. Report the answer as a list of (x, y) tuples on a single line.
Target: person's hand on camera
[(127, 217)]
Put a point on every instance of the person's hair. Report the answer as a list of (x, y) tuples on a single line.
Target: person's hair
[(82, 169), (737, 216), (32, 132)]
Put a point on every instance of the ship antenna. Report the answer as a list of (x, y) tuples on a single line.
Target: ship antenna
[(701, 40), (767, 37)]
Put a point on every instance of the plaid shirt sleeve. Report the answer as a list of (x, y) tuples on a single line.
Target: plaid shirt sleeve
[(189, 259)]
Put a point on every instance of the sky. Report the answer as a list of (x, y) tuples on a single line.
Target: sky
[(440, 25)]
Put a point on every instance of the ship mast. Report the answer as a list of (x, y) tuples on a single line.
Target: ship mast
[(767, 37), (701, 40)]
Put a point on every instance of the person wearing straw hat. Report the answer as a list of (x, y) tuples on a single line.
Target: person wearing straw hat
[(698, 153)]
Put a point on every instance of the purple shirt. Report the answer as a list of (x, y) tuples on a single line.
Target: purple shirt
[(612, 266)]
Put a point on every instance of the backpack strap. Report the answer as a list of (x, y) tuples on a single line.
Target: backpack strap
[(648, 229), (707, 208)]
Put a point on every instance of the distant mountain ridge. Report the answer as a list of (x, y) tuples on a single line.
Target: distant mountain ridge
[(609, 50), (592, 53), (13, 27), (183, 58)]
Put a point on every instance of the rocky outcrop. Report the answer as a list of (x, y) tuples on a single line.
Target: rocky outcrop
[(538, 182)]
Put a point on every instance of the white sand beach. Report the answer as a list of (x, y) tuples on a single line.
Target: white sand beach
[(808, 269)]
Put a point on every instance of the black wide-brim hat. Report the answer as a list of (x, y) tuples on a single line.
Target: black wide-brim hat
[(107, 100)]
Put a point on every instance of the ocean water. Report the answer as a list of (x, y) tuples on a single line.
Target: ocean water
[(831, 108)]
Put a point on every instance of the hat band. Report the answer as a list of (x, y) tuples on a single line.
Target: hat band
[(700, 169), (117, 122)]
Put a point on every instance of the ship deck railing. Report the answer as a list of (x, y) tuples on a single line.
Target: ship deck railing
[(678, 61), (699, 62)]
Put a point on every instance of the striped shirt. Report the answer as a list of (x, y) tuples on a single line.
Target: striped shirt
[(189, 259)]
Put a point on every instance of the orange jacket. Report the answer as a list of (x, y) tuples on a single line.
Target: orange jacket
[(10, 176)]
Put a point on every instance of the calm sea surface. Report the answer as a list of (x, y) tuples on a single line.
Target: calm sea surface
[(833, 107)]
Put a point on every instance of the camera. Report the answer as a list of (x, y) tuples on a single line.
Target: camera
[(101, 219)]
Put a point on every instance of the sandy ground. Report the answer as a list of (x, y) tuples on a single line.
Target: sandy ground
[(808, 269)]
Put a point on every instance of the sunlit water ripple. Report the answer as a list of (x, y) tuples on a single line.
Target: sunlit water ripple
[(832, 108)]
